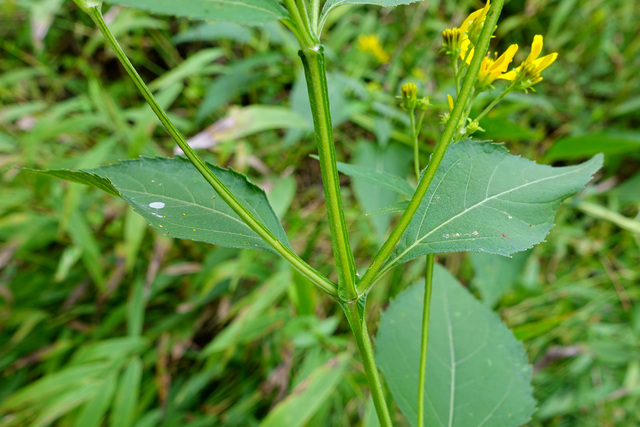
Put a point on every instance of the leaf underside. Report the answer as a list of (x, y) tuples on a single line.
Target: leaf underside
[(175, 199), (246, 12), (484, 199), (477, 372)]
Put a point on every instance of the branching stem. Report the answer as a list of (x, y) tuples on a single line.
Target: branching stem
[(315, 73), (315, 276), (376, 268)]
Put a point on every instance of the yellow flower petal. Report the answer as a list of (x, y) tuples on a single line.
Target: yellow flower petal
[(542, 63), (505, 59), (467, 22), (511, 75), (536, 48)]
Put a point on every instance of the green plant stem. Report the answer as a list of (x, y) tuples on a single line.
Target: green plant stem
[(428, 280), (424, 342), (375, 269), (315, 276), (493, 103), (454, 62), (416, 149), (315, 73), (304, 14), (300, 23), (355, 312), (315, 15)]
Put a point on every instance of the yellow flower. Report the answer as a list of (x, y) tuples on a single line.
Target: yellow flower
[(492, 69), (528, 73), (450, 102), (371, 44), (457, 40), (470, 30)]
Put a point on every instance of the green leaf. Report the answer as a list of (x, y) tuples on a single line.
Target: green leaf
[(494, 274), (265, 297), (297, 408), (483, 199), (174, 198), (375, 180), (126, 400), (80, 177), (93, 412), (505, 129), (396, 207), (194, 65), (331, 4), (246, 12), (212, 31), (577, 147), (477, 372), (52, 385), (628, 192), (379, 178), (239, 78)]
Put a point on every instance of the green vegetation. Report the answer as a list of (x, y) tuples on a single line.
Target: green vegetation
[(107, 321)]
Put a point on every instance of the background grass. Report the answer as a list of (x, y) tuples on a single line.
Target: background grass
[(103, 321)]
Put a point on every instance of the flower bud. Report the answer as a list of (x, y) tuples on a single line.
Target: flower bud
[(409, 95)]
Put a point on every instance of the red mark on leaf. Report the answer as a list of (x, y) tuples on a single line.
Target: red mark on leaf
[(504, 235)]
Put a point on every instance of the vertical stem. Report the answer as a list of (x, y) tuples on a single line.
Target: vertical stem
[(416, 151), (355, 312), (424, 343), (315, 73), (428, 280)]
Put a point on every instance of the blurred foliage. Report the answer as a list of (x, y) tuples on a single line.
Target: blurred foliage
[(103, 321)]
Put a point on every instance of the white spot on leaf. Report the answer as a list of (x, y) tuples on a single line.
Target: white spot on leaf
[(156, 205)]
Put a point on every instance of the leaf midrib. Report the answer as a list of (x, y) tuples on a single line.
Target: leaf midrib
[(418, 241), (199, 206)]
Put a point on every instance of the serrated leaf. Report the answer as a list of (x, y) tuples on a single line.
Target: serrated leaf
[(331, 4), (477, 372), (80, 177), (483, 199), (174, 198), (246, 12)]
